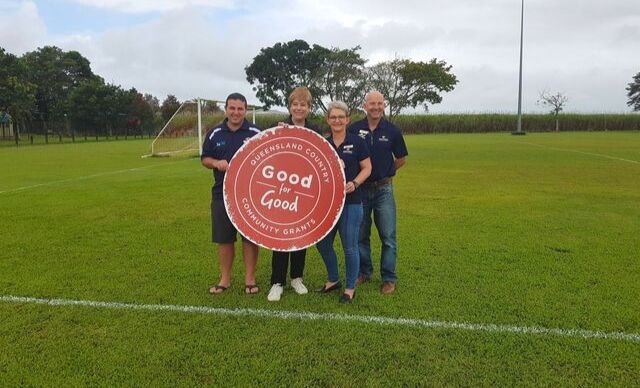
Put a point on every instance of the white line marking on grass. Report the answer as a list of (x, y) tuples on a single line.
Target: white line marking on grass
[(87, 177), (310, 316), (580, 152)]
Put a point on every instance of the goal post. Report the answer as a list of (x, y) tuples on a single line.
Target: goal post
[(183, 133)]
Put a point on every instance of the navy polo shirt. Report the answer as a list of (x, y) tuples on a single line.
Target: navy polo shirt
[(352, 151), (385, 144), (222, 143)]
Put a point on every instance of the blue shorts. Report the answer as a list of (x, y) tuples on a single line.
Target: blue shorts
[(222, 230)]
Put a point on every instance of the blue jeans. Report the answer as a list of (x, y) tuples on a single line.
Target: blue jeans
[(381, 202), (349, 227)]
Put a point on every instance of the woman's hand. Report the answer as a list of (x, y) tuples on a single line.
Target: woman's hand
[(350, 187)]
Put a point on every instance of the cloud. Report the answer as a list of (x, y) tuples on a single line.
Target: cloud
[(179, 53), (21, 28), (586, 49), (142, 6), (489, 89)]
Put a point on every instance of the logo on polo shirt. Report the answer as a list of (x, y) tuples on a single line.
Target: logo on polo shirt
[(347, 149), (383, 138), (363, 133), (221, 143)]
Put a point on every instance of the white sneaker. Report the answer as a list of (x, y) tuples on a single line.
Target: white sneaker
[(275, 293), (298, 286)]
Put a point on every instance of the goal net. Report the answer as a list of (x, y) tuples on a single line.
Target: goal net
[(185, 130), (182, 134)]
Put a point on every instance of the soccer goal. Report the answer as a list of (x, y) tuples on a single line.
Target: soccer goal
[(184, 132)]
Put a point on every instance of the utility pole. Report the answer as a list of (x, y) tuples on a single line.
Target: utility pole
[(519, 129)]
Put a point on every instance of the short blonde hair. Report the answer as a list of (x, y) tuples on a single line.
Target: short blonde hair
[(301, 93)]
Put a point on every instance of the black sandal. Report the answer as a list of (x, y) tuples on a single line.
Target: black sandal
[(325, 289)]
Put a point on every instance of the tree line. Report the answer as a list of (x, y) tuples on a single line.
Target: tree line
[(54, 91)]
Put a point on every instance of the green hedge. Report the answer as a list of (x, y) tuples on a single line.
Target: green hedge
[(489, 122), (475, 123)]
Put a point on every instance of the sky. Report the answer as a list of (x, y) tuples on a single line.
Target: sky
[(588, 50)]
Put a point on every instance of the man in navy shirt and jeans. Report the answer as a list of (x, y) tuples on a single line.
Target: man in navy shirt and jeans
[(220, 144), (388, 154)]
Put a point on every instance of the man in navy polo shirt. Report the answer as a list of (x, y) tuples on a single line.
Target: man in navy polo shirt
[(220, 144), (388, 154)]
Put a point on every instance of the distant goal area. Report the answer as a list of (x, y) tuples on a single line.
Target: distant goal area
[(184, 132)]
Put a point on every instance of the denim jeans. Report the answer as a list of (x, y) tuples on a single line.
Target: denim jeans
[(381, 203), (349, 228)]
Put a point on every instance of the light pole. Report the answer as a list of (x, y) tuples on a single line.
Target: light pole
[(519, 129)]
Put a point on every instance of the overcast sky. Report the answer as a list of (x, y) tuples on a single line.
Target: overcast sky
[(587, 49)]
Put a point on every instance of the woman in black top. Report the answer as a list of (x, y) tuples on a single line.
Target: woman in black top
[(354, 154), (299, 108)]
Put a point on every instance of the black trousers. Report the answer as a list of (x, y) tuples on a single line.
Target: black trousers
[(280, 262)]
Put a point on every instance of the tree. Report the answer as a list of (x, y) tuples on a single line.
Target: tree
[(98, 106), (328, 73), (55, 73), (169, 106), (556, 102), (88, 102), (140, 114), (385, 77), (209, 107), (340, 76), (634, 93), (405, 83), (277, 70), (17, 94), (153, 102)]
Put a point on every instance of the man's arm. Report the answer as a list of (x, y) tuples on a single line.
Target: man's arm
[(399, 162), (215, 164)]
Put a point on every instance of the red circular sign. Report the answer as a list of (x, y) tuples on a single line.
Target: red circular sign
[(284, 188)]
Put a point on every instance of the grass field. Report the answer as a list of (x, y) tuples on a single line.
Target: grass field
[(519, 264)]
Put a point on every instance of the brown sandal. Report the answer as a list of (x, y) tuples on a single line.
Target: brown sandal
[(217, 289)]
